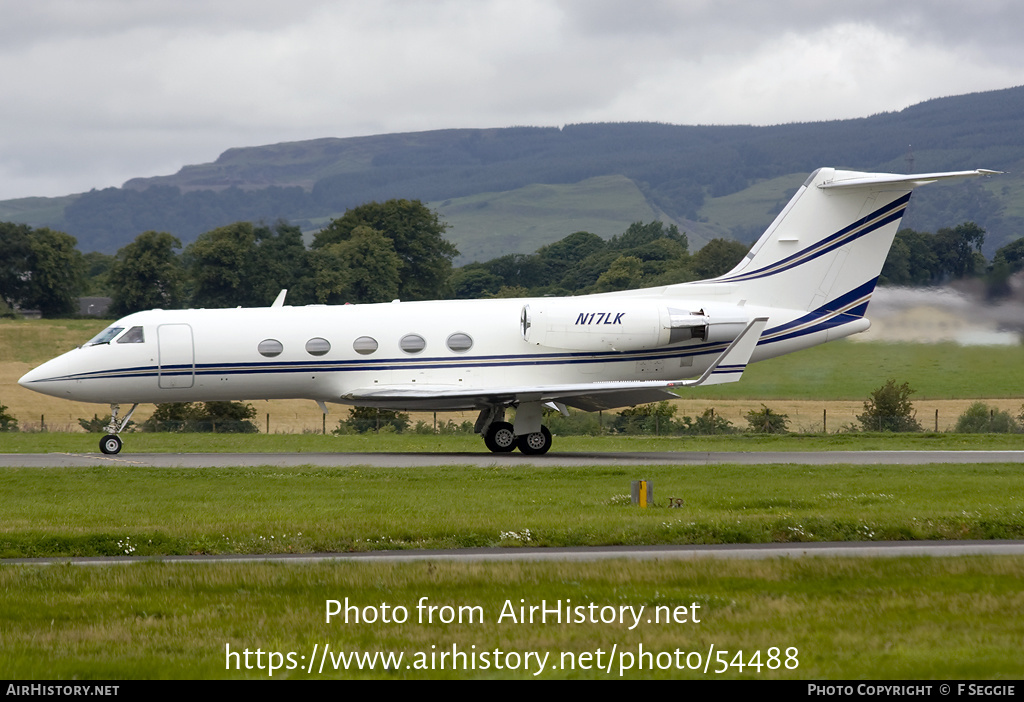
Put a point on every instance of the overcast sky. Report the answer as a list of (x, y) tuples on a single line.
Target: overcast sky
[(93, 92)]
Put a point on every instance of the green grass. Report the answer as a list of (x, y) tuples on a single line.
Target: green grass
[(903, 619), (137, 511), (850, 370), (38, 340)]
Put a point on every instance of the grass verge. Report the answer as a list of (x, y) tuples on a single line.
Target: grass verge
[(124, 510), (809, 618)]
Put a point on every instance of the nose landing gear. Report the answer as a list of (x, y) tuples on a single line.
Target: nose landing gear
[(111, 443)]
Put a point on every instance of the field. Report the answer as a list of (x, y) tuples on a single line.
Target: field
[(901, 618), (800, 619)]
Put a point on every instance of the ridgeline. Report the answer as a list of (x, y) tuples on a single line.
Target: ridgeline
[(512, 190)]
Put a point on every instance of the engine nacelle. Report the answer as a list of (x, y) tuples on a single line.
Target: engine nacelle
[(623, 325)]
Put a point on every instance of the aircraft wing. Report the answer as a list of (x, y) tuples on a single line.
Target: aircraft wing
[(589, 397)]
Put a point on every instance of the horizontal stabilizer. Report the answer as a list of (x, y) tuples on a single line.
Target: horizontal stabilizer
[(876, 179)]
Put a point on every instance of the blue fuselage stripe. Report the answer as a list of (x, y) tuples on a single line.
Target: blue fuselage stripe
[(813, 322)]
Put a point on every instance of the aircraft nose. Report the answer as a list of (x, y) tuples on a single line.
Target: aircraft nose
[(48, 378), (32, 376)]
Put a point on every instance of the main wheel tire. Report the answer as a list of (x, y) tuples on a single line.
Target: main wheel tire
[(500, 437), (110, 444), (536, 443)]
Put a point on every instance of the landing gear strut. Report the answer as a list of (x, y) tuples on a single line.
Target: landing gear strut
[(111, 443)]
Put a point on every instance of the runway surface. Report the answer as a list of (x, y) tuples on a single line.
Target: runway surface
[(399, 460), (861, 549)]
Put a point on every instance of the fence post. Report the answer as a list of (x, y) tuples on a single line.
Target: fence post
[(824, 421)]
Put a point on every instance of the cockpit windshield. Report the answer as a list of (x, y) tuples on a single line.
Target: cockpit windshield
[(105, 336), (133, 336)]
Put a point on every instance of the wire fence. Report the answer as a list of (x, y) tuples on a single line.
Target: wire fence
[(1004, 416)]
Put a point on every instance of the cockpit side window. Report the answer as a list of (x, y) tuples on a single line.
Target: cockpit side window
[(133, 336), (105, 336)]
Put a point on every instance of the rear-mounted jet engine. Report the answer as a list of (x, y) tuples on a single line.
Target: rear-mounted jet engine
[(625, 325)]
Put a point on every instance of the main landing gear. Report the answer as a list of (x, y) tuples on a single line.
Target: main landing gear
[(111, 443), (536, 443), (500, 436)]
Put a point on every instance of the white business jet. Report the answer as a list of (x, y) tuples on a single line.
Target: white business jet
[(806, 281)]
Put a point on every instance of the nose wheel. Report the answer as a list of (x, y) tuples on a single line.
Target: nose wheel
[(110, 444)]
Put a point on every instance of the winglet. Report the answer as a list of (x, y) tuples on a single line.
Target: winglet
[(729, 367), (279, 301)]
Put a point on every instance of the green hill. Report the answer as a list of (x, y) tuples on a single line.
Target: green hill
[(512, 190), (523, 220)]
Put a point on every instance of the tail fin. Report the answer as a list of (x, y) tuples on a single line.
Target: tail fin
[(826, 249)]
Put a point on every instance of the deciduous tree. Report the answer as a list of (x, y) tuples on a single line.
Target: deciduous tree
[(417, 236), (361, 269), (54, 268), (147, 274), (247, 265), (717, 257)]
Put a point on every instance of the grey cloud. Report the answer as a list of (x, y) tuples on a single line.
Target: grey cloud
[(98, 91)]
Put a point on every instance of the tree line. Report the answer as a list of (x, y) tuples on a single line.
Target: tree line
[(381, 251)]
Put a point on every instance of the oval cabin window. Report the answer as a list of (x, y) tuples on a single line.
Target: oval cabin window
[(412, 343), (270, 348), (365, 345), (459, 342), (317, 346)]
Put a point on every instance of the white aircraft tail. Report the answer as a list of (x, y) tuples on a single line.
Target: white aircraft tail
[(825, 250)]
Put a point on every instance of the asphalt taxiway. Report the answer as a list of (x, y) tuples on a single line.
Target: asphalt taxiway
[(843, 549), (575, 459)]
